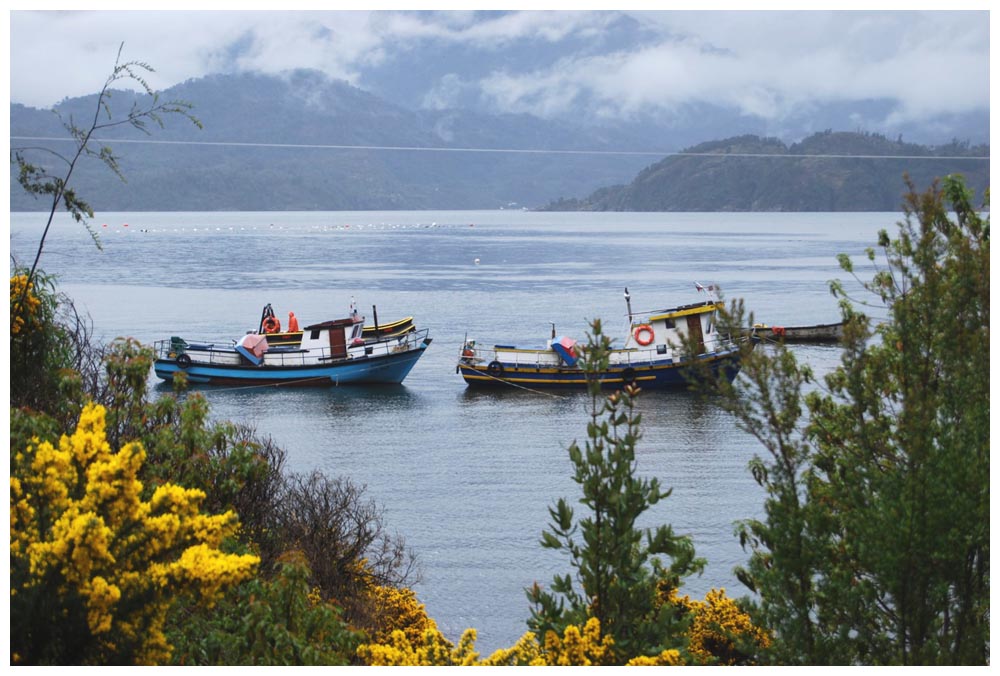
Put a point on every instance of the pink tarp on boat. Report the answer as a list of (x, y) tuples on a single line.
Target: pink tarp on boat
[(253, 346)]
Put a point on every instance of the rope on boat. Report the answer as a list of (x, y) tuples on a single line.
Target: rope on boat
[(259, 385), (519, 386)]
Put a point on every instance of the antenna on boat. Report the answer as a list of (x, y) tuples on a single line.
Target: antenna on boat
[(628, 304), (710, 290), (553, 329)]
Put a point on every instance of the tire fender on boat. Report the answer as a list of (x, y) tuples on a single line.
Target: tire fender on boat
[(495, 369), (628, 375), (644, 334), (183, 360)]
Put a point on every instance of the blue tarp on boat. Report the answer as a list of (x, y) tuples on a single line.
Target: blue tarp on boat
[(566, 348)]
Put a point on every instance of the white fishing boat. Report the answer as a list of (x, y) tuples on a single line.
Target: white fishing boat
[(334, 352)]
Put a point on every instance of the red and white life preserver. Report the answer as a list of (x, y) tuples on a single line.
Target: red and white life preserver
[(643, 334)]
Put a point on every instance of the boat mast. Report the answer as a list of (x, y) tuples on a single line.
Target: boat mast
[(267, 312), (628, 304)]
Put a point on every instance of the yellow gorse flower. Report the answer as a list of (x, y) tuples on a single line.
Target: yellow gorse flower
[(717, 621), (575, 647), (22, 310), (79, 523)]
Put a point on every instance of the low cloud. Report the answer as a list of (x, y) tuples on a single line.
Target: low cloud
[(772, 67), (767, 64)]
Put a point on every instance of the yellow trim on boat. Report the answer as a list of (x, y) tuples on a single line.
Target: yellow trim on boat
[(390, 325), (701, 309)]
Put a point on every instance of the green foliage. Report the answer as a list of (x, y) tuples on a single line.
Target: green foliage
[(276, 622), (874, 548), (48, 343), (617, 572)]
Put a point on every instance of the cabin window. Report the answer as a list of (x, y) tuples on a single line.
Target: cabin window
[(661, 349), (669, 323), (314, 334), (358, 328)]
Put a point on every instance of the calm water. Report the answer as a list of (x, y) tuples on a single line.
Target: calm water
[(467, 477)]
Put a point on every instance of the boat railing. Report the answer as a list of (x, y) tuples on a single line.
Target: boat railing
[(400, 343), (224, 353), (211, 351), (544, 358)]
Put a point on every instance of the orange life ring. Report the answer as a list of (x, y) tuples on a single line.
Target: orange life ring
[(644, 334), (272, 324)]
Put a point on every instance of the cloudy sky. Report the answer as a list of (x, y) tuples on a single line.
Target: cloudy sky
[(763, 63)]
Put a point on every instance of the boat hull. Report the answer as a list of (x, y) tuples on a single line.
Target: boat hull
[(818, 333), (385, 369), (653, 375)]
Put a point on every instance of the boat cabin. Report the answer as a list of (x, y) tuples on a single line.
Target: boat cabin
[(672, 328), (336, 334)]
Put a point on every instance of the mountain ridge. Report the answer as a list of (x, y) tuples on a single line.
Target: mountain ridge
[(827, 171), (304, 141)]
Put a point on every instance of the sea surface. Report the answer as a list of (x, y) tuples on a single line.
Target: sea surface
[(467, 477)]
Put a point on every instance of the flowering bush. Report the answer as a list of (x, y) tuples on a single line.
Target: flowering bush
[(280, 621), (395, 609), (573, 648), (722, 633), (94, 566), (24, 304), (718, 630)]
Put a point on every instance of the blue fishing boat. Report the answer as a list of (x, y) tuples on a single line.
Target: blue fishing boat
[(335, 352), (652, 356)]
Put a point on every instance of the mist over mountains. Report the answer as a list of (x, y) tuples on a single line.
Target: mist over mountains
[(446, 124)]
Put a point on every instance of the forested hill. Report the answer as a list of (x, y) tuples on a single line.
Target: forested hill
[(750, 173)]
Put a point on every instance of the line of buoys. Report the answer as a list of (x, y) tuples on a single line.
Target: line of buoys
[(317, 228)]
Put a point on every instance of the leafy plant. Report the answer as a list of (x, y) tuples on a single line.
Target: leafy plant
[(616, 564), (280, 621), (874, 546)]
